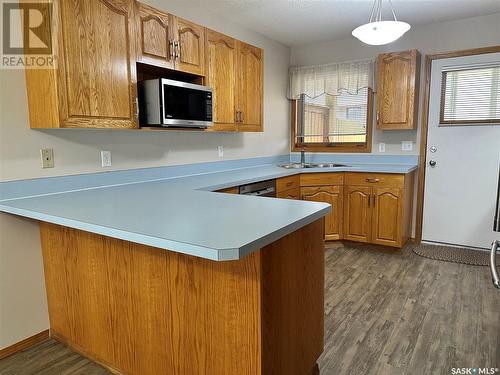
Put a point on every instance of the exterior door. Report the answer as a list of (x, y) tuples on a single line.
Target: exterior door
[(332, 195), (460, 188), (99, 64), (190, 56), (222, 60), (387, 207), (357, 213), (250, 95)]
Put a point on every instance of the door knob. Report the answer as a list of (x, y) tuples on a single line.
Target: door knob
[(432, 163)]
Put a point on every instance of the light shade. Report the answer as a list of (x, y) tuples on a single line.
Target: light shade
[(381, 32)]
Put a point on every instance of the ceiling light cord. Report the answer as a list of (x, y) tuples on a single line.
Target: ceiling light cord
[(377, 11), (392, 10)]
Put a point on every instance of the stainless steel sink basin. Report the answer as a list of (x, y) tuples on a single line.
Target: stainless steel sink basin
[(329, 165), (311, 165), (292, 166)]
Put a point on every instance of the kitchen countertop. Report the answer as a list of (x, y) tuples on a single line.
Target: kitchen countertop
[(183, 214)]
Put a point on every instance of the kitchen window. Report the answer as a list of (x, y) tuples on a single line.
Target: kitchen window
[(470, 96), (332, 107)]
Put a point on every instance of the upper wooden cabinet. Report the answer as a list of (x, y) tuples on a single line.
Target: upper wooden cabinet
[(94, 84), (98, 44), (250, 90), (221, 76), (155, 40), (189, 45), (234, 71), (397, 90), (168, 41)]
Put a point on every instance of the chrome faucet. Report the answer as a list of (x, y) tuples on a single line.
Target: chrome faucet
[(302, 156)]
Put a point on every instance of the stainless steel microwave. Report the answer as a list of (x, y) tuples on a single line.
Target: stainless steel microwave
[(169, 103)]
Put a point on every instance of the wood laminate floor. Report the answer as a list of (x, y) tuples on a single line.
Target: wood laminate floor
[(386, 313)]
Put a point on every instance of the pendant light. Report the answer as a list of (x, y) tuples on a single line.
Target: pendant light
[(377, 32)]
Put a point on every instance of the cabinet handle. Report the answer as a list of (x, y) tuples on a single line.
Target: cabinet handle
[(242, 118), (378, 118), (369, 199), (374, 200), (172, 49), (373, 180), (290, 183), (137, 107), (177, 46)]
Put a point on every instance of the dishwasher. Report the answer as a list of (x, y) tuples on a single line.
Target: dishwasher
[(260, 189)]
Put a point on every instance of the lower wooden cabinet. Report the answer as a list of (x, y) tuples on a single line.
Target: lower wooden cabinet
[(366, 207), (380, 210), (357, 213), (334, 196), (387, 209), (289, 194), (231, 190)]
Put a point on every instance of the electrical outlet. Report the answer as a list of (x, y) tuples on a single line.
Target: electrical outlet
[(106, 158), (220, 151), (381, 147), (47, 157), (406, 145)]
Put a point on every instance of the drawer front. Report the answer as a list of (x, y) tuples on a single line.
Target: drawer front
[(287, 183), (232, 190), (375, 179), (322, 179), (289, 194)]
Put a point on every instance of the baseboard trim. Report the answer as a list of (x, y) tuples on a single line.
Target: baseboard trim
[(84, 353), (24, 344)]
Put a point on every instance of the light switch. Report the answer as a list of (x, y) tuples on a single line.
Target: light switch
[(220, 151), (47, 157), (381, 147)]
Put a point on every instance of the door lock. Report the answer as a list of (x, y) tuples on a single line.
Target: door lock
[(432, 163)]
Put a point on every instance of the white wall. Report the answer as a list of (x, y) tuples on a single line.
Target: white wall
[(441, 37), (23, 310)]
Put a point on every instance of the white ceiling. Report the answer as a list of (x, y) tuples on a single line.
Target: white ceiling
[(295, 22)]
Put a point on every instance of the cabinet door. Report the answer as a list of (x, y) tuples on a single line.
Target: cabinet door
[(154, 39), (387, 216), (250, 92), (190, 52), (357, 213), (397, 90), (332, 195), (289, 194), (221, 71), (97, 77)]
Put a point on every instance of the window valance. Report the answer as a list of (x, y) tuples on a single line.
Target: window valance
[(332, 79)]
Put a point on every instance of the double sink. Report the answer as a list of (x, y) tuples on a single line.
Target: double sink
[(311, 165)]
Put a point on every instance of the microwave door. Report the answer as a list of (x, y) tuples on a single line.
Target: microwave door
[(184, 105)]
